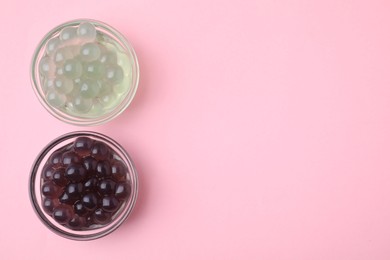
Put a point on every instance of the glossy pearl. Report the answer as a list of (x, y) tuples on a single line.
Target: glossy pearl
[(93, 69), (55, 99), (68, 33), (114, 74), (46, 66), (63, 85), (87, 31), (90, 52), (82, 105), (89, 89), (52, 45), (73, 68)]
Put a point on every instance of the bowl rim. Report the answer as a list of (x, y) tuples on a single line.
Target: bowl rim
[(80, 121), (41, 215)]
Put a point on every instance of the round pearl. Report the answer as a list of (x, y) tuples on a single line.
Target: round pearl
[(82, 105), (52, 45), (93, 69), (73, 68), (108, 101), (114, 74), (123, 87), (90, 52), (63, 85), (105, 89), (46, 66), (87, 31), (48, 84), (55, 99), (89, 88), (63, 54), (68, 33), (108, 57)]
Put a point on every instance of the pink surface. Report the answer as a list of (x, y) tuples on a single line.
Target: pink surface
[(260, 129)]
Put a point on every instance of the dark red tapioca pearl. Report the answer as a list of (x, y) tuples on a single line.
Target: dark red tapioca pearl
[(91, 184), (90, 201), (110, 203), (50, 190), (83, 145), (49, 205), (77, 223), (55, 158), (122, 190), (118, 170), (75, 173), (100, 151), (59, 177), (66, 199), (47, 172), (106, 187), (62, 214), (70, 157), (103, 169), (101, 217), (90, 164), (79, 209), (74, 190)]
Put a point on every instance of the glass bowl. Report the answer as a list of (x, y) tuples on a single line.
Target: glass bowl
[(84, 72), (83, 185)]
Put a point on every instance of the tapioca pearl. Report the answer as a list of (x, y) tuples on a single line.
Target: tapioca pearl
[(79, 208), (90, 201), (50, 190), (74, 190), (47, 172), (113, 74), (100, 151), (89, 88), (100, 216), (73, 68), (49, 205), (55, 159), (75, 173), (68, 33), (110, 203), (106, 89), (59, 177), (63, 54), (124, 62), (77, 223), (103, 170), (109, 101), (90, 52), (122, 190), (70, 157), (119, 171), (106, 187), (52, 45), (48, 83), (90, 163), (122, 87), (91, 184), (93, 69), (63, 85), (62, 214), (82, 145), (55, 99), (108, 58), (82, 105), (74, 93), (86, 31), (46, 67)]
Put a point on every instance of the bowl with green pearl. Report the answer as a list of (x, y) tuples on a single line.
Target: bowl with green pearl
[(84, 72)]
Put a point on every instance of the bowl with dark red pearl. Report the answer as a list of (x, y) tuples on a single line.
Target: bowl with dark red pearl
[(83, 185)]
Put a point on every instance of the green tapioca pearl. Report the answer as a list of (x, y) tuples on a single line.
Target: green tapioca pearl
[(72, 68), (82, 105), (93, 69), (113, 74), (63, 85), (55, 99), (89, 88)]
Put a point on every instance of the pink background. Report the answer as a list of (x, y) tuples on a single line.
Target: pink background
[(260, 129)]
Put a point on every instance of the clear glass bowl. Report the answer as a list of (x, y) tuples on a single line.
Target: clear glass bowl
[(84, 72), (40, 176)]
